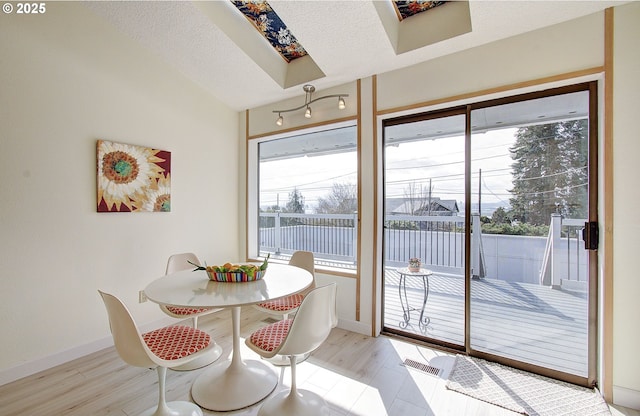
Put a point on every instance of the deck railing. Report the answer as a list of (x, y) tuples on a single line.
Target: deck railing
[(438, 241), (330, 236), (565, 260)]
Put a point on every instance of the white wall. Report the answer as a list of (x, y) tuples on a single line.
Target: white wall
[(569, 47), (68, 79), (626, 200), (572, 46)]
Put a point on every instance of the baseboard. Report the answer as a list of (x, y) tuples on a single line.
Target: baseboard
[(623, 396), (26, 369), (32, 367), (354, 326)]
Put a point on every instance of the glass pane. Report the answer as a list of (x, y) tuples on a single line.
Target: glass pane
[(529, 295), (308, 196), (424, 219)]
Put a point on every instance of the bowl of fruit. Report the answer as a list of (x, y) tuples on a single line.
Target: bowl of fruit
[(236, 272)]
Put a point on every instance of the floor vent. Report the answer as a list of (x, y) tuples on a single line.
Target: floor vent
[(422, 367)]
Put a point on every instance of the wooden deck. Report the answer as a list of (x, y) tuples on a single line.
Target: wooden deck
[(530, 323)]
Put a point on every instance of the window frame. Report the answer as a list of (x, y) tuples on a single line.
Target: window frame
[(253, 191), (593, 85)]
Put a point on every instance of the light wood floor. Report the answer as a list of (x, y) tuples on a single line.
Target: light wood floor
[(356, 374)]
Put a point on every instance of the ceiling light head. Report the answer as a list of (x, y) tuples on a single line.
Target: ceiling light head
[(308, 100)]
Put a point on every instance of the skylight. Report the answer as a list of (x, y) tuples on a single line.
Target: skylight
[(269, 24), (408, 8)]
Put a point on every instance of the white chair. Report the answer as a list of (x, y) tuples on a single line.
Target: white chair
[(289, 304), (283, 307), (176, 263), (301, 335), (162, 348)]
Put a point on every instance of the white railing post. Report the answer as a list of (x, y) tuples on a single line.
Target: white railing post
[(552, 252), (355, 236), (276, 230), (556, 250), (476, 230)]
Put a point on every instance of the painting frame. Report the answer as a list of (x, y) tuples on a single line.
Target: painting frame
[(132, 178)]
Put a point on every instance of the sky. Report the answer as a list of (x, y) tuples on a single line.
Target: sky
[(439, 162), (312, 176)]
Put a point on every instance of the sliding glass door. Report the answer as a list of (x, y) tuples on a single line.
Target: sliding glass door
[(424, 186), (494, 198), (530, 182)]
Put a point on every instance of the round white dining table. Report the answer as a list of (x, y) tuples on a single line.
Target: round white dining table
[(236, 383)]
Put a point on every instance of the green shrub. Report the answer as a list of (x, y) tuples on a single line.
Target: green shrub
[(518, 229)]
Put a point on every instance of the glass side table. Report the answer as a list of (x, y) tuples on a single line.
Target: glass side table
[(402, 291)]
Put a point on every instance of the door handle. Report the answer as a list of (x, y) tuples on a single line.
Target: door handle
[(590, 235)]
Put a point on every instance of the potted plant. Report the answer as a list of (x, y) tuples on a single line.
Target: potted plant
[(414, 264)]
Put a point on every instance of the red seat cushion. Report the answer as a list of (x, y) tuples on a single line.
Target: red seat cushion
[(283, 304), (185, 311), (173, 342), (271, 336)]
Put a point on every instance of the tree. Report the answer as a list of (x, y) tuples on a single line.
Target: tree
[(500, 216), (549, 171), (295, 202), (271, 208), (343, 199), (418, 197)]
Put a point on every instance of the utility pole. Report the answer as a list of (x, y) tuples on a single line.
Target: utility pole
[(429, 202), (480, 192)]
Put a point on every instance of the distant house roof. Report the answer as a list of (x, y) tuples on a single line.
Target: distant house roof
[(447, 204), (401, 206), (405, 208), (392, 204)]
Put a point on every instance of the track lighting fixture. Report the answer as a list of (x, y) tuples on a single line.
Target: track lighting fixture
[(309, 90)]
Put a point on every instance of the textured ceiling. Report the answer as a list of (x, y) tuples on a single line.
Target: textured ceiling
[(345, 39)]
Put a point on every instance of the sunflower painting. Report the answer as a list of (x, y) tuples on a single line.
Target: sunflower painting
[(133, 178)]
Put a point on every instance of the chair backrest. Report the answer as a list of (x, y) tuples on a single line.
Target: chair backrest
[(305, 260), (126, 336), (179, 262), (313, 322)]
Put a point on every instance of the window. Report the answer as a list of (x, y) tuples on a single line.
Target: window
[(493, 198), (305, 196)]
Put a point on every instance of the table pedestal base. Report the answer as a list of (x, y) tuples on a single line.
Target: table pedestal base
[(226, 386), (234, 384)]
